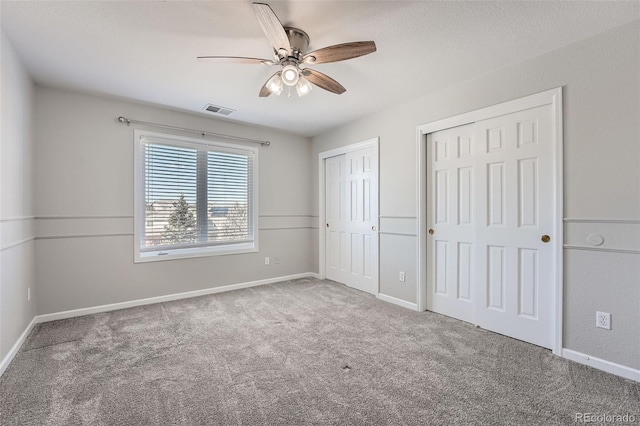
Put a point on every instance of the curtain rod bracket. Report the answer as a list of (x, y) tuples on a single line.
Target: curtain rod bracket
[(203, 133)]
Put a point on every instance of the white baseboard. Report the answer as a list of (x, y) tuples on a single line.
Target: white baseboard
[(168, 298), (601, 364), (16, 347), (399, 302)]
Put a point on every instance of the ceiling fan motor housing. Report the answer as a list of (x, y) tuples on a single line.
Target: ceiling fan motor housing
[(299, 41)]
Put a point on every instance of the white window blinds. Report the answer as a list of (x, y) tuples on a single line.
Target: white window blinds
[(195, 195)]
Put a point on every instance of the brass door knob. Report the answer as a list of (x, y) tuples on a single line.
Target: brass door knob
[(431, 231), (545, 238)]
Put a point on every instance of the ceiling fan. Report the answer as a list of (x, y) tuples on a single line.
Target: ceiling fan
[(290, 52)]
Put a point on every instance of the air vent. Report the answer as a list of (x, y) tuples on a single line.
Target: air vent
[(218, 109)]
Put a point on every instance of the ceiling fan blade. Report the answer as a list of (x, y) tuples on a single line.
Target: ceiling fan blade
[(265, 91), (323, 81), (340, 52), (236, 60), (272, 27)]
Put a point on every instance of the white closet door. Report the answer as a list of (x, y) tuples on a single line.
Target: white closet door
[(490, 206), (352, 219), (451, 220), (515, 216), (335, 204)]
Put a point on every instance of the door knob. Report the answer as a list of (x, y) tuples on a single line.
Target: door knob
[(373, 228), (327, 225), (431, 231), (545, 238)]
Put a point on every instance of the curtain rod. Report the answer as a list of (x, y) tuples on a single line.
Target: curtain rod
[(128, 121)]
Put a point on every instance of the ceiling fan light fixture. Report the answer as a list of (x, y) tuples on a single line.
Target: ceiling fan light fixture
[(303, 87), (275, 84), (290, 52), (290, 75)]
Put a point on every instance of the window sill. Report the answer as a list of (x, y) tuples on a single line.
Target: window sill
[(162, 255)]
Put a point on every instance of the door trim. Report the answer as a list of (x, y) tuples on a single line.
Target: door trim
[(373, 142), (551, 97)]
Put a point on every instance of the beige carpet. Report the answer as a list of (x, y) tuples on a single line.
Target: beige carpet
[(302, 352)]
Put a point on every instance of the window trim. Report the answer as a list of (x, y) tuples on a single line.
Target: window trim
[(139, 197)]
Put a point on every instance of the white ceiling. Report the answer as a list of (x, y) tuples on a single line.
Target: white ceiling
[(146, 50)]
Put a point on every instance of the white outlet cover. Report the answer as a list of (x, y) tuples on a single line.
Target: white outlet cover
[(603, 320)]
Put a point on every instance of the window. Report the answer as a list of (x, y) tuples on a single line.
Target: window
[(193, 197)]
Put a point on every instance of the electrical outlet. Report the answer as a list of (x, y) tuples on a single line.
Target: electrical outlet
[(276, 259), (266, 260), (402, 276), (603, 320), (28, 294)]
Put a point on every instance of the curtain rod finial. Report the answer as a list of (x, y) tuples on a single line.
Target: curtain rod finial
[(266, 143), (122, 119)]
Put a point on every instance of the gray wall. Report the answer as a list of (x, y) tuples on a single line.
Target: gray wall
[(16, 200), (84, 206), (602, 179)]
